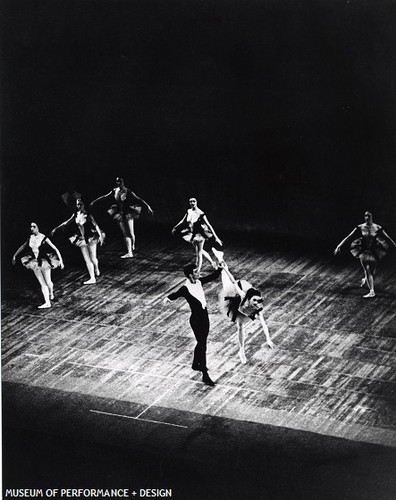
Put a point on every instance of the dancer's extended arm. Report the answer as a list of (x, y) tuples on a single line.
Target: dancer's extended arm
[(149, 209), (98, 230), (388, 238), (179, 224), (61, 225), (22, 247), (266, 331), (101, 198), (218, 240), (49, 242), (350, 236)]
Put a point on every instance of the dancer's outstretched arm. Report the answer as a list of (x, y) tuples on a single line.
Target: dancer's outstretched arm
[(49, 242), (266, 331), (179, 224), (218, 240), (351, 235), (101, 198), (22, 247), (149, 209), (98, 230), (388, 238), (61, 225)]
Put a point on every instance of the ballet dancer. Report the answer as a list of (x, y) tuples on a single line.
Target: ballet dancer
[(193, 292), (369, 243), (86, 235), (242, 304), (196, 229), (127, 208), (40, 255)]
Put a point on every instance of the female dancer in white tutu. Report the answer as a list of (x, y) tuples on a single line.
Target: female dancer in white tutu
[(126, 207), (196, 229), (242, 303), (368, 243), (41, 256), (86, 236)]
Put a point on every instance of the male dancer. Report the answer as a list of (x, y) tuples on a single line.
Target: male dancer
[(193, 292)]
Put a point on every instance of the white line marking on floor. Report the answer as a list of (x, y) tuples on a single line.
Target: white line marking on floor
[(155, 401), (137, 418)]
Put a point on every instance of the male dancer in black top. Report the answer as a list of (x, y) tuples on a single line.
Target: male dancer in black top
[(193, 292)]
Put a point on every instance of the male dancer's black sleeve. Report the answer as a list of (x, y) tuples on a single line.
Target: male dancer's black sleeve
[(210, 277), (182, 292)]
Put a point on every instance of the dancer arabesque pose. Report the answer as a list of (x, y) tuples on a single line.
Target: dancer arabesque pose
[(242, 303)]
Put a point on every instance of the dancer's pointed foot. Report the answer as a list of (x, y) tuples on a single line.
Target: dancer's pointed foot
[(369, 295), (242, 356), (97, 272), (128, 255), (44, 306), (206, 379), (219, 255), (363, 282), (91, 281)]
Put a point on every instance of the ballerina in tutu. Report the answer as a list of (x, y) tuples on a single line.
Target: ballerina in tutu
[(126, 208), (40, 255), (86, 236), (369, 243), (242, 303), (196, 229)]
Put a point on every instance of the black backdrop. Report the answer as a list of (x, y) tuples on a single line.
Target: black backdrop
[(278, 115)]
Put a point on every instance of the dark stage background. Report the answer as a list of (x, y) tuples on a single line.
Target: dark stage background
[(278, 115)]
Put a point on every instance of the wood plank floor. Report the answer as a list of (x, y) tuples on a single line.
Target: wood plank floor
[(332, 371)]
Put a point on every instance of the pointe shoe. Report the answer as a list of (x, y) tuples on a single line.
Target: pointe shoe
[(369, 295), (207, 380), (219, 255), (44, 306), (90, 282), (363, 282), (242, 356), (97, 272), (127, 256)]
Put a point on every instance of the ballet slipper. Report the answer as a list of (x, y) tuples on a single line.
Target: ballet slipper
[(44, 306), (219, 255), (370, 295), (242, 356), (127, 256), (91, 281)]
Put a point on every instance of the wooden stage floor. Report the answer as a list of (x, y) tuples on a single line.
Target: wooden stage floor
[(332, 371)]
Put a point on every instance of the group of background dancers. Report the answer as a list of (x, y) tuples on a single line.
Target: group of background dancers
[(240, 301)]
